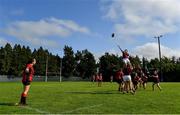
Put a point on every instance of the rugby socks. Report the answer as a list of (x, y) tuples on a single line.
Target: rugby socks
[(23, 98)]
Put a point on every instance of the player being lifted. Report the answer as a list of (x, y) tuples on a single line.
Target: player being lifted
[(125, 53)]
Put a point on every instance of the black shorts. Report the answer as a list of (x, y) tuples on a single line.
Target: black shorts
[(27, 82), (119, 81), (135, 82), (144, 81), (99, 80), (156, 80)]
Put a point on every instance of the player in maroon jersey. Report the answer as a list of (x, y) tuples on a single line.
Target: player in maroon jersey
[(119, 79), (97, 77), (28, 74), (144, 80), (127, 69), (156, 80), (136, 80), (139, 72), (125, 55), (100, 79)]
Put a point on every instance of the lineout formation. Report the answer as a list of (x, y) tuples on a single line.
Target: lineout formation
[(128, 77)]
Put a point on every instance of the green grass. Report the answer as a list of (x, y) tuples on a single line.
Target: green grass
[(87, 98)]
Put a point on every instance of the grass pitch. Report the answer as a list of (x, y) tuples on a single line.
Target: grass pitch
[(87, 98)]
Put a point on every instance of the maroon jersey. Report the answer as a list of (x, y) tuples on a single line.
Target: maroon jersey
[(28, 76), (100, 77), (125, 54), (156, 77), (97, 77), (119, 75), (136, 78), (144, 78), (127, 71)]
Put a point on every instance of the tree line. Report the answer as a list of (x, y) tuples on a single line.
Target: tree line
[(80, 63)]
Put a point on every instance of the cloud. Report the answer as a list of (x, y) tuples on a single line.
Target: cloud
[(111, 52), (3, 41), (151, 51), (71, 25), (143, 17), (39, 32)]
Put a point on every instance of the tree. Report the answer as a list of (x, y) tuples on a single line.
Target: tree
[(78, 66), (135, 60), (2, 57), (68, 62), (154, 63), (167, 65), (144, 65), (109, 64), (176, 73), (167, 68), (17, 64), (53, 64), (85, 64), (41, 56), (7, 53)]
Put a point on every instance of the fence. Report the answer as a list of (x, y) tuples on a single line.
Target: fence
[(11, 78)]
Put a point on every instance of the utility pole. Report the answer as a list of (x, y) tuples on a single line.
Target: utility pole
[(158, 37)]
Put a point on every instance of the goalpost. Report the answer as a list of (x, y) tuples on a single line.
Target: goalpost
[(53, 75)]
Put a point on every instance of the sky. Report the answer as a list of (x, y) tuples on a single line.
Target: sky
[(88, 24)]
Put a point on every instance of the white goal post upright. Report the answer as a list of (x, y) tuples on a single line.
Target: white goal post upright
[(54, 74)]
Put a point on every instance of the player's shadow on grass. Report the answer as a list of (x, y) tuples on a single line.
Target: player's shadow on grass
[(96, 92), (6, 104)]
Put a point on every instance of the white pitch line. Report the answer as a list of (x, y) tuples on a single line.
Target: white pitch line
[(37, 110), (81, 108)]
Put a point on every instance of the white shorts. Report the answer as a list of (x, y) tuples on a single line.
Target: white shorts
[(126, 60), (127, 78)]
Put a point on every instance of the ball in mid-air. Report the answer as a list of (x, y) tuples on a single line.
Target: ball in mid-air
[(113, 35)]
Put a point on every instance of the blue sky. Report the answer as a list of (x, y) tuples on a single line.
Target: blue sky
[(88, 24)]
